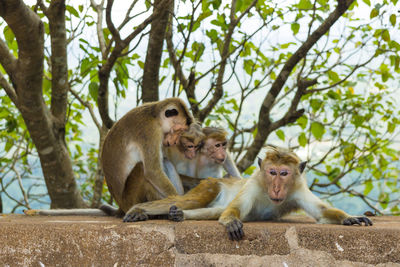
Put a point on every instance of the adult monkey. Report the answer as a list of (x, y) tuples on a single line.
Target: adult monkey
[(132, 158), (186, 146), (277, 188)]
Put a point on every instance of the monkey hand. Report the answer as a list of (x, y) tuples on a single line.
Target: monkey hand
[(135, 216), (357, 220), (175, 214), (235, 229)]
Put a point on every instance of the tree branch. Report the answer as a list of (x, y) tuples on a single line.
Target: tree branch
[(120, 45), (9, 89), (7, 60), (99, 27), (264, 120), (224, 55), (59, 66)]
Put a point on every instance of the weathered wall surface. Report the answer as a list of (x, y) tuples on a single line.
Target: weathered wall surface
[(104, 241)]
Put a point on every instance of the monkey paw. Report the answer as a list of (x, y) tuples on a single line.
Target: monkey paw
[(357, 220), (175, 214), (235, 230), (135, 216)]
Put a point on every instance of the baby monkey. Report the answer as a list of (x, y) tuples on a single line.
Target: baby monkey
[(276, 189)]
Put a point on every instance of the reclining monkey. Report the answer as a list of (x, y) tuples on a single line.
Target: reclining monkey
[(276, 189)]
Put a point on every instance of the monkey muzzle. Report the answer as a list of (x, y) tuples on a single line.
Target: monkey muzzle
[(277, 201)]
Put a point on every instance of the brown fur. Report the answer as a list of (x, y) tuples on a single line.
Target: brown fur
[(141, 126), (215, 133), (253, 199)]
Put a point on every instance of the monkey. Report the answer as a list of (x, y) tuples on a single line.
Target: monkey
[(186, 149), (210, 161), (277, 188), (132, 157)]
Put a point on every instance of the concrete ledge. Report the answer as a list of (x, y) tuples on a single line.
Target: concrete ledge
[(105, 241)]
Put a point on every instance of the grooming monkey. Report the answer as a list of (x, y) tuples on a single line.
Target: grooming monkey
[(132, 157), (276, 189)]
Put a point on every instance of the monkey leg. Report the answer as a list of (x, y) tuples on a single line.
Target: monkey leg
[(333, 215), (323, 213), (203, 213), (198, 197), (189, 182)]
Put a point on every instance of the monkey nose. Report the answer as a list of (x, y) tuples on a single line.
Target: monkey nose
[(221, 160)]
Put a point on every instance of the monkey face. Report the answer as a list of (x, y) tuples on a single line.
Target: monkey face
[(216, 150), (189, 148), (279, 180), (173, 120)]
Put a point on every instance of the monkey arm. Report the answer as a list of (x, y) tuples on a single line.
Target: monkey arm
[(239, 208), (173, 176), (230, 166), (189, 182), (212, 213), (153, 170), (323, 213)]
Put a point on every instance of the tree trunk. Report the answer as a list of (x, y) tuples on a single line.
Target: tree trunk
[(46, 129), (154, 52), (1, 205), (99, 179)]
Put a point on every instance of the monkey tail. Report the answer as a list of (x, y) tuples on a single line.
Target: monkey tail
[(112, 211)]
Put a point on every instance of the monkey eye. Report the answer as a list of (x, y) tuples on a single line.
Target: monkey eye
[(224, 143), (272, 172), (190, 146), (171, 113), (217, 145), (284, 173)]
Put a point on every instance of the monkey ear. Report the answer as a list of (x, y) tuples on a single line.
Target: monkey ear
[(259, 160), (302, 166), (171, 113)]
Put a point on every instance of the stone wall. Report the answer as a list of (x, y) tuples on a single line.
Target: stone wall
[(105, 241)]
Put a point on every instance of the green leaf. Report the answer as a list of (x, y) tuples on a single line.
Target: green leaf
[(8, 34), (317, 130), (250, 170), (213, 35), (302, 121), (302, 139), (141, 64), (386, 35), (316, 104), (367, 2), (305, 4), (72, 10), (295, 27), (333, 76), (94, 90), (392, 19), (349, 152), (280, 134), (9, 145), (374, 13), (248, 66)]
